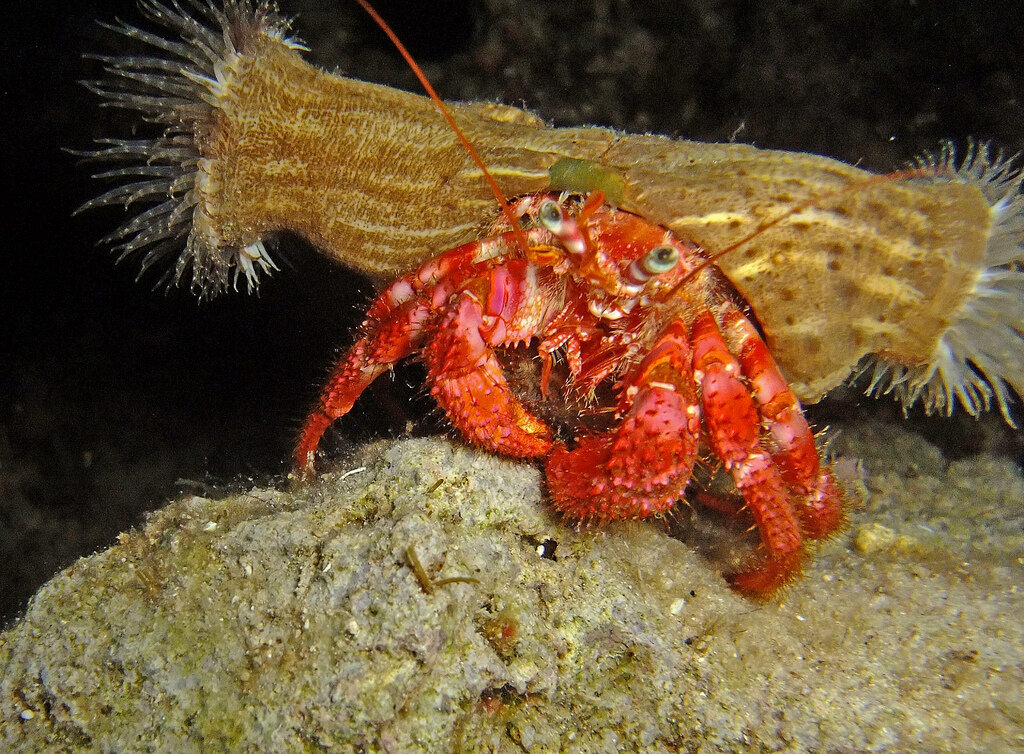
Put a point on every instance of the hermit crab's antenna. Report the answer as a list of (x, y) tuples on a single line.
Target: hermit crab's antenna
[(502, 201)]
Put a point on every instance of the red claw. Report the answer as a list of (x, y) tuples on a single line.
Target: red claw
[(469, 385), (643, 466), (639, 470)]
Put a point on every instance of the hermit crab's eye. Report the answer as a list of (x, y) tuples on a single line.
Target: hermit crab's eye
[(550, 214), (660, 259)]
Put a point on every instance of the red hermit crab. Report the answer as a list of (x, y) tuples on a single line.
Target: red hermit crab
[(912, 277), (626, 302)]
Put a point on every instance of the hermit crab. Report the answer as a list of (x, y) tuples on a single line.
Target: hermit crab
[(625, 300), (914, 278)]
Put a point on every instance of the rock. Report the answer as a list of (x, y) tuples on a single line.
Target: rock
[(275, 620)]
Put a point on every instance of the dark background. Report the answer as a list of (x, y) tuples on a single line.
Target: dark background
[(114, 397)]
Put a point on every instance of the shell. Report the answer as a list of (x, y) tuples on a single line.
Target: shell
[(918, 280)]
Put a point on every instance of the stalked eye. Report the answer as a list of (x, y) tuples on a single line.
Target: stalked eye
[(550, 214), (660, 259)]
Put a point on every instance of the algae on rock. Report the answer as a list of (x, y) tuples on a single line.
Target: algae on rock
[(282, 621)]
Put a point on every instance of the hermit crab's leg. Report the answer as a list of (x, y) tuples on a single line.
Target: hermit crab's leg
[(373, 354), (734, 433), (566, 331), (499, 309), (451, 267), (819, 504), (395, 327), (643, 466)]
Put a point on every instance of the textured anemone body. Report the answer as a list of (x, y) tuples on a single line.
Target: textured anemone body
[(917, 281)]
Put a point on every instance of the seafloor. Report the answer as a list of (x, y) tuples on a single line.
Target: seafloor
[(295, 621)]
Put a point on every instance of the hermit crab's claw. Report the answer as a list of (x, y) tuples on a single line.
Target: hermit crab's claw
[(467, 382), (642, 467)]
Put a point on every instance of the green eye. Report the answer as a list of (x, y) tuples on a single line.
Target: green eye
[(550, 214), (660, 259)]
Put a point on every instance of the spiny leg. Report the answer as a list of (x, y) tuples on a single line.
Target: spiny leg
[(819, 503), (734, 433), (395, 327), (643, 466), (369, 357), (468, 383), (346, 384)]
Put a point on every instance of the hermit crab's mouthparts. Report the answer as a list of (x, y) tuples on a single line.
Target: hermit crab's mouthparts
[(979, 359), (183, 85)]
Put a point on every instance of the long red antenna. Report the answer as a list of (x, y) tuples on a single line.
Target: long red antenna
[(505, 208)]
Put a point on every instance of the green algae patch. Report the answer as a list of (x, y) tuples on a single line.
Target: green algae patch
[(584, 176)]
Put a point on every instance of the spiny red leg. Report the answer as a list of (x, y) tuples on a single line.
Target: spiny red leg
[(346, 384), (468, 383), (568, 330), (728, 505), (449, 268), (562, 339), (643, 466), (395, 323), (370, 356), (819, 503), (734, 432)]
